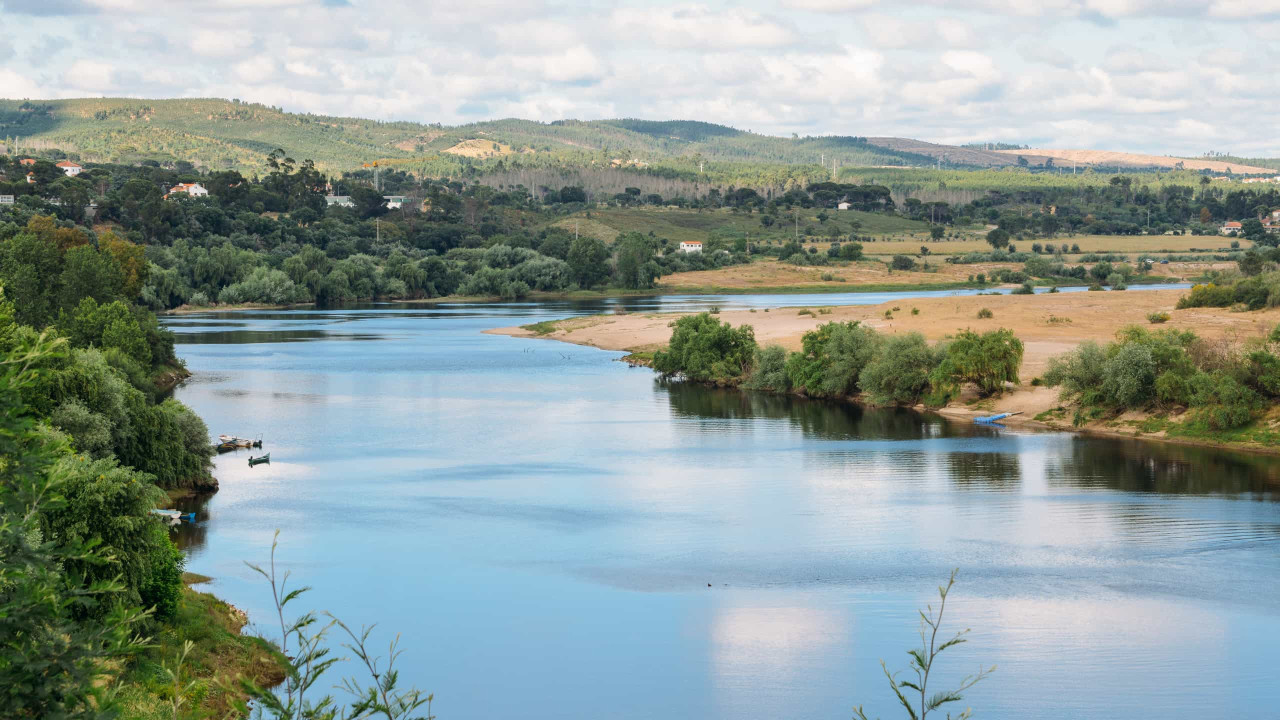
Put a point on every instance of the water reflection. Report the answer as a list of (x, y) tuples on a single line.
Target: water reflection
[(748, 553), (1137, 466)]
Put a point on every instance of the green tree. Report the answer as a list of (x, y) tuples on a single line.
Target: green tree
[(998, 238), (588, 261), (899, 372), (988, 360), (54, 648), (703, 349), (86, 272), (635, 267), (831, 358)]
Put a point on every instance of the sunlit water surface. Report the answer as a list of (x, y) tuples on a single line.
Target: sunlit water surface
[(557, 535)]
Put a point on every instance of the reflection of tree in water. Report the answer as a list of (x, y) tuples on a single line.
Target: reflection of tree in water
[(823, 419), (1136, 466), (984, 470), (192, 536)]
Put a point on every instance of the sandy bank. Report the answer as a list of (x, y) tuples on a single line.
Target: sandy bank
[(1048, 324)]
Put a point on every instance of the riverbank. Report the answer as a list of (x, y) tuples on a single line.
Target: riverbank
[(1047, 324), (220, 654)]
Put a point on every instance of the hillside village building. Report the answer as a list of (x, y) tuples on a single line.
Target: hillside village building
[(191, 190), (71, 169), (690, 246)]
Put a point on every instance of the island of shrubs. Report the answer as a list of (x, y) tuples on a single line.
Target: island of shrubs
[(843, 360)]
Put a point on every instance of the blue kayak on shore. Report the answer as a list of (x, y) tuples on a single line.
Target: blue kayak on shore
[(982, 420)]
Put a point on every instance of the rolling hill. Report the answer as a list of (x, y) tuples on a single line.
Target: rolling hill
[(228, 134)]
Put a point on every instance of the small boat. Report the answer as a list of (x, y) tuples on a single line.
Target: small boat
[(174, 516), (984, 420), (234, 441), (259, 460)]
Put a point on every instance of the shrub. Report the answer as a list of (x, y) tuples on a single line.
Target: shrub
[(1222, 402), (1129, 376), (769, 370), (831, 357), (988, 360), (1156, 318), (985, 313), (899, 372), (902, 262), (1024, 289), (704, 349), (1207, 295), (1078, 373), (1095, 287), (851, 251), (915, 311)]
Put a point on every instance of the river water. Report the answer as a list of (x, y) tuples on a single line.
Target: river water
[(554, 534)]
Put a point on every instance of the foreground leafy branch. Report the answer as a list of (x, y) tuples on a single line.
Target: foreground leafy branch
[(312, 658), (922, 660)]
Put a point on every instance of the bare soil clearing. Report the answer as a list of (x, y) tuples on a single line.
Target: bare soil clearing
[(1108, 157)]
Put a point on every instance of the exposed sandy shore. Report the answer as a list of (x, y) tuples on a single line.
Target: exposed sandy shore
[(1048, 324)]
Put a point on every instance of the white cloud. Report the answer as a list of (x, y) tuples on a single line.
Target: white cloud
[(221, 44), (699, 26), (93, 76), (1147, 75)]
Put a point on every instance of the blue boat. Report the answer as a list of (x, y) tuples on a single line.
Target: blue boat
[(987, 419)]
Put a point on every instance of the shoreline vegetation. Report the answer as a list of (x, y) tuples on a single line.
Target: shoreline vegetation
[(1201, 344)]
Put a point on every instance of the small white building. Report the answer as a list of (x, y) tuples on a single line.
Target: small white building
[(339, 200), (395, 202), (71, 169), (6, 199), (191, 189), (690, 246), (1230, 227), (844, 205)]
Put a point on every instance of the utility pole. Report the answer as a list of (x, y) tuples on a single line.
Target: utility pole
[(797, 211)]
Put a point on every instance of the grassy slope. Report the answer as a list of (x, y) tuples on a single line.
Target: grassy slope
[(225, 134), (220, 654)]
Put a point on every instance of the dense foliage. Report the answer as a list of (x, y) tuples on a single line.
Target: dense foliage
[(1225, 385), (703, 349), (842, 360)]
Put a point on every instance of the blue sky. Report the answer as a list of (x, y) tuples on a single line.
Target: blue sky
[(1175, 77)]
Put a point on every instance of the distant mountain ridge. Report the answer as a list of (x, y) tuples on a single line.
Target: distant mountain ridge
[(229, 134)]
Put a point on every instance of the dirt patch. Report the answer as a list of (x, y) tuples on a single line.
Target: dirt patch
[(479, 149), (1107, 157)]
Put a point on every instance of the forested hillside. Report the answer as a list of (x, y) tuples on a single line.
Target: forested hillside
[(228, 134)]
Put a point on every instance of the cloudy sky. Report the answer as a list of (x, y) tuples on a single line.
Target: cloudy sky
[(1165, 76)]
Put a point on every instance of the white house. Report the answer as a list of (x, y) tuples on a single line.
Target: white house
[(339, 200), (844, 206), (395, 202), (191, 189), (6, 199), (1229, 227), (70, 168), (690, 246)]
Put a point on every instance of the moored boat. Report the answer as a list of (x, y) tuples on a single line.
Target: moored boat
[(174, 516), (259, 460)]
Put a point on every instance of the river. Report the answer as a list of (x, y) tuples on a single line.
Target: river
[(554, 534)]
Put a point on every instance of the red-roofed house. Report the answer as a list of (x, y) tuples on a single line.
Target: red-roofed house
[(191, 189), (1230, 227), (27, 161), (70, 168), (690, 246)]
